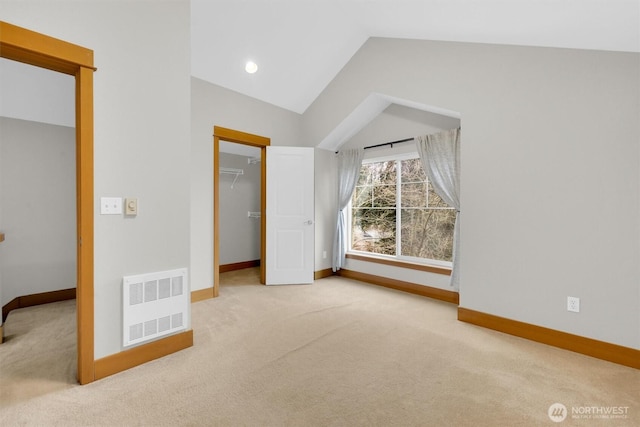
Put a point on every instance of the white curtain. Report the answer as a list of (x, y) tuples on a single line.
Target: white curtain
[(349, 163), (440, 156)]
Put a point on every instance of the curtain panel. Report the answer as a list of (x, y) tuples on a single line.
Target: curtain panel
[(440, 157), (349, 163)]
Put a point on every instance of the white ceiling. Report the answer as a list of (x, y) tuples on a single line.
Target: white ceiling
[(300, 45)]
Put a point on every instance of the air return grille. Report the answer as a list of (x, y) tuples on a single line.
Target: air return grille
[(155, 304)]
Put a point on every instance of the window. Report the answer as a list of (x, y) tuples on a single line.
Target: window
[(395, 212)]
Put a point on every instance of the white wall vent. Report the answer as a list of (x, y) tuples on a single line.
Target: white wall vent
[(154, 304)]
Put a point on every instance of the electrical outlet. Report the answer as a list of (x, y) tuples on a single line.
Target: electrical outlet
[(573, 304)]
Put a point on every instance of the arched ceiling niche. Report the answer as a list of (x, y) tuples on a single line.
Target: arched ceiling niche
[(382, 118)]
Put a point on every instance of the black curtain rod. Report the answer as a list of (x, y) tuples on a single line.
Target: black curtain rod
[(388, 143)]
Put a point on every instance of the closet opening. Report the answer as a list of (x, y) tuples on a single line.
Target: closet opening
[(239, 199)]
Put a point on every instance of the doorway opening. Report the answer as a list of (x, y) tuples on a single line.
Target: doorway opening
[(29, 47), (239, 213), (229, 135)]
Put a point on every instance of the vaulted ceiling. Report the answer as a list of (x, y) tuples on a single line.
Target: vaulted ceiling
[(300, 45)]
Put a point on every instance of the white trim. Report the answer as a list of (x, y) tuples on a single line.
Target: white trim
[(403, 258), (387, 158)]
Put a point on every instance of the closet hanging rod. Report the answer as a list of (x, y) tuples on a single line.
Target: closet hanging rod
[(232, 171)]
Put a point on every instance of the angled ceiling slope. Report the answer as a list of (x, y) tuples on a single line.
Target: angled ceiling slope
[(368, 110), (301, 45)]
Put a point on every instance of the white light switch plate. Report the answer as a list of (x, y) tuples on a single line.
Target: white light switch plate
[(110, 205)]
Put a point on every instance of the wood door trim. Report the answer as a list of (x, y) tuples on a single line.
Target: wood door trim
[(30, 47), (136, 356), (239, 137), (230, 135)]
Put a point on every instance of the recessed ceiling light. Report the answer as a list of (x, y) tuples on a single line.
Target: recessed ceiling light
[(251, 67)]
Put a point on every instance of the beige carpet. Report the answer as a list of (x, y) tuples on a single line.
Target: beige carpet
[(335, 353)]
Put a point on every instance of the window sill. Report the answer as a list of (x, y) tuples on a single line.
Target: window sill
[(403, 264)]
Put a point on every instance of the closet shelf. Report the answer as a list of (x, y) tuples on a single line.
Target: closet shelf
[(232, 171)]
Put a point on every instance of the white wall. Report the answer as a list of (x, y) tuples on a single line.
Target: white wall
[(212, 105), (239, 234), (550, 172), (141, 134), (38, 208)]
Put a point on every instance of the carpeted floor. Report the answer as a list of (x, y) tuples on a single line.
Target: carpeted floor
[(335, 353)]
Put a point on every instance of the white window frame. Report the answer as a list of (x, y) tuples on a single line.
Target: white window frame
[(413, 260)]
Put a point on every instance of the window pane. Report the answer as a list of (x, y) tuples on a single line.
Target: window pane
[(412, 171), (382, 172), (414, 195), (384, 196), (362, 197), (365, 176), (428, 233), (374, 230)]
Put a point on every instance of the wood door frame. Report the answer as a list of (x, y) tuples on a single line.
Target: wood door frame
[(230, 135), (22, 45)]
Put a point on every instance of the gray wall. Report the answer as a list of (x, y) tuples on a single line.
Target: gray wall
[(239, 234), (550, 173), (550, 176), (37, 208), (141, 135), (326, 213), (36, 94), (212, 105), (398, 122)]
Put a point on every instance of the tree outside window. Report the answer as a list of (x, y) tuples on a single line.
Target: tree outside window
[(396, 212)]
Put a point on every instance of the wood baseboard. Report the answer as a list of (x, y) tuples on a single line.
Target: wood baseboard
[(225, 268), (37, 299), (144, 353), (413, 288), (599, 349), (202, 294), (402, 264), (321, 274)]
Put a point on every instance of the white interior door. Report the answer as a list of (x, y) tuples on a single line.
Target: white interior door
[(290, 214)]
